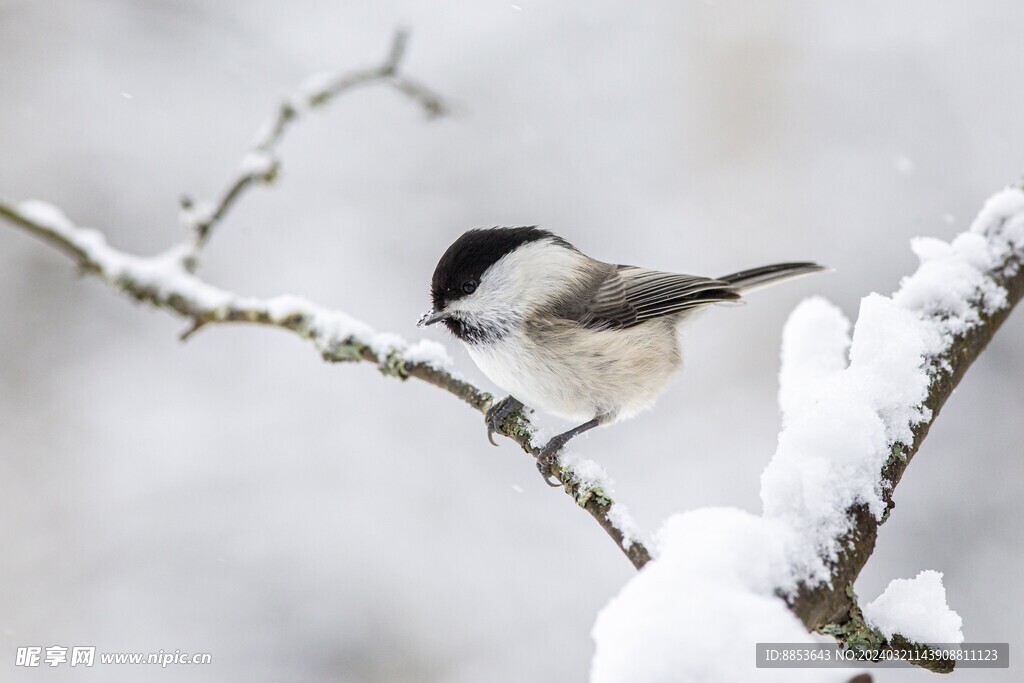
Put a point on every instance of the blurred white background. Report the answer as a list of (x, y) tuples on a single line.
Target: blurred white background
[(306, 522)]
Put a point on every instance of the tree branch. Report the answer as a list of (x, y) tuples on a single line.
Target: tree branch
[(168, 281)]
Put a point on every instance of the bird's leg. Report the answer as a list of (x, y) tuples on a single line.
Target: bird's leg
[(547, 456), (498, 413)]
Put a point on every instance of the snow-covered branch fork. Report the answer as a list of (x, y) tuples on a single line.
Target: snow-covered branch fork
[(855, 412)]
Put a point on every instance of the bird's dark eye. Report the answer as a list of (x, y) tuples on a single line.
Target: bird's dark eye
[(469, 286)]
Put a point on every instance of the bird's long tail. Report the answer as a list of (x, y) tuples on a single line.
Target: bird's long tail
[(755, 278)]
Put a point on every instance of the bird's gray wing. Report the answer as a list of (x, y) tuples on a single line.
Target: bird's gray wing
[(629, 295)]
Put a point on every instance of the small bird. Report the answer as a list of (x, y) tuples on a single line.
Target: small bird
[(584, 340)]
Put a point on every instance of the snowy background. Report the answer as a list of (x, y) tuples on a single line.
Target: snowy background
[(308, 522)]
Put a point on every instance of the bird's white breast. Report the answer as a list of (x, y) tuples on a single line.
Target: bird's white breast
[(513, 364), (579, 374)]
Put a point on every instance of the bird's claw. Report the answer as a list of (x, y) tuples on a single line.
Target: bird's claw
[(546, 461), (497, 414)]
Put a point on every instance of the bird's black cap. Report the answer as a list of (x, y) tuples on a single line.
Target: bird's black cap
[(472, 254)]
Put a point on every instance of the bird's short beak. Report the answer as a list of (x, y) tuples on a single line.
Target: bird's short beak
[(431, 317)]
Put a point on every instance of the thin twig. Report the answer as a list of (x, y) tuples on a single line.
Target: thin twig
[(261, 165)]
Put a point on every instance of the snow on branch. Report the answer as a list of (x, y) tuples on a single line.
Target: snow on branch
[(910, 351), (855, 411), (916, 609), (168, 282)]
